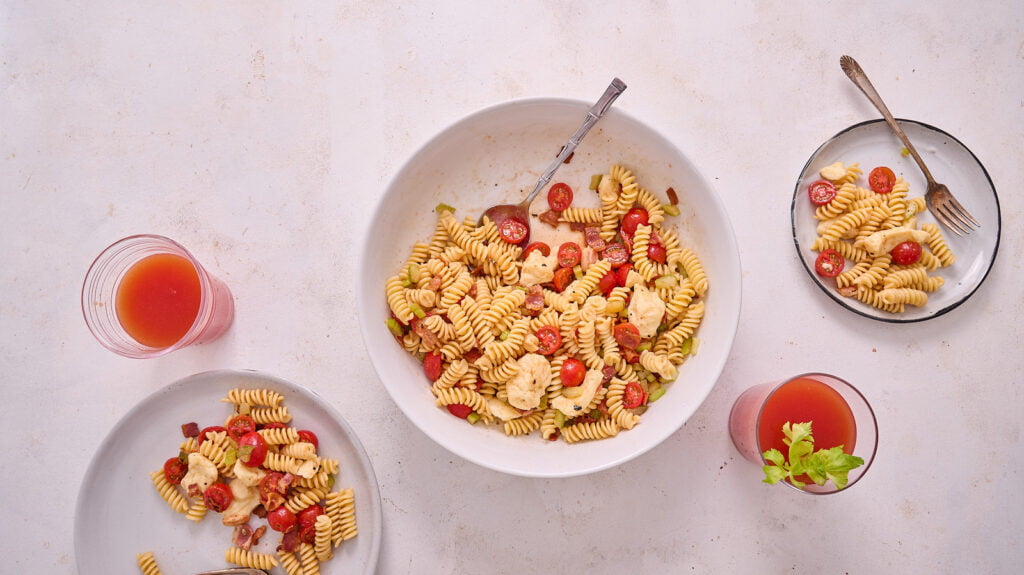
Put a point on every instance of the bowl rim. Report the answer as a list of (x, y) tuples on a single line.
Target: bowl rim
[(717, 365)]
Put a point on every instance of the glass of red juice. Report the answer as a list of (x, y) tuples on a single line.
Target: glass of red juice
[(146, 295), (839, 415)]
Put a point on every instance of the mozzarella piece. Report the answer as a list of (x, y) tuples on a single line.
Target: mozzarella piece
[(646, 310), (244, 498), (833, 172), (248, 475), (528, 385), (538, 269), (502, 410), (201, 474), (883, 241), (574, 400)]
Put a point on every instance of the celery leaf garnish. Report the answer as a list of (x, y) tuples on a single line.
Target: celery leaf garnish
[(820, 466)]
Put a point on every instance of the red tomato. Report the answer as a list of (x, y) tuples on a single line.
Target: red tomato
[(432, 365), (615, 254), (626, 335), (821, 192), (217, 497), (607, 283), (513, 230), (829, 263), (569, 254), (657, 253), (239, 425), (309, 437), (460, 410), (308, 515), (622, 274), (282, 519), (252, 449), (906, 253), (633, 218), (307, 534), (881, 180), (273, 487), (542, 247), (634, 395), (572, 372), (550, 339), (560, 197), (563, 277), (213, 428), (174, 470)]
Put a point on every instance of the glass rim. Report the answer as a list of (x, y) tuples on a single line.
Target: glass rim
[(874, 427)]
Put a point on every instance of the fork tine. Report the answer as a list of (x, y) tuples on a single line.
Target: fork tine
[(964, 216), (942, 213)]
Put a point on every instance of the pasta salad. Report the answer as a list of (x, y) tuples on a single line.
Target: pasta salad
[(574, 341)]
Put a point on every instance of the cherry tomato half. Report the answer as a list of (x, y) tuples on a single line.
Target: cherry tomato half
[(622, 274), (607, 283), (282, 519), (543, 248), (569, 254), (217, 497), (213, 428), (633, 396), (657, 253), (821, 192), (460, 410), (881, 180), (239, 425), (308, 515), (829, 263), (307, 534), (550, 339), (626, 335), (309, 437), (563, 277), (432, 365), (273, 489), (252, 449), (615, 254), (513, 230), (633, 218), (560, 197), (906, 253), (572, 372), (174, 470)]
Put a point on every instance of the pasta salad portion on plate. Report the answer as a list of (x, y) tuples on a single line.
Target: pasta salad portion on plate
[(573, 341)]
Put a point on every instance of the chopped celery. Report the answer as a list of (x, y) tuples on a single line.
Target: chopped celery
[(414, 273), (417, 310), (615, 307), (696, 346), (406, 283), (442, 207), (595, 181), (681, 270), (559, 419), (578, 272), (230, 456), (473, 417), (904, 152), (687, 346), (504, 335), (656, 393), (644, 346), (666, 281), (670, 209), (394, 327)]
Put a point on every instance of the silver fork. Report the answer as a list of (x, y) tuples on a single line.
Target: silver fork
[(235, 571), (940, 200)]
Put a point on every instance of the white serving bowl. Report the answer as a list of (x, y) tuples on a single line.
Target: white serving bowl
[(495, 156)]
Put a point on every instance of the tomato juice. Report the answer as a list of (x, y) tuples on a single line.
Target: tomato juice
[(805, 399), (158, 299)]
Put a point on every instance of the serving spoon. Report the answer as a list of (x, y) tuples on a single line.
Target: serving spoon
[(519, 214)]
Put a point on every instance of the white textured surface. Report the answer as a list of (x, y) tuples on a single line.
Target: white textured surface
[(260, 136)]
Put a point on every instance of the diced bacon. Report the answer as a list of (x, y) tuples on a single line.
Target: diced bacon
[(243, 536), (535, 298), (592, 235), (434, 284), (588, 257), (289, 541), (577, 226), (550, 218), (190, 429), (429, 338), (607, 372)]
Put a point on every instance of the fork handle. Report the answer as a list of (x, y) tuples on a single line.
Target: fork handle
[(860, 79)]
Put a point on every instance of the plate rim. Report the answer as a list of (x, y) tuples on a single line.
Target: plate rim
[(90, 471), (844, 304)]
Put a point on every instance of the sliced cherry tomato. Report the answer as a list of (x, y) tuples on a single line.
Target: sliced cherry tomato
[(572, 372), (829, 263), (543, 248), (821, 192), (252, 449), (657, 253), (273, 488), (239, 425), (634, 396), (622, 274), (307, 534), (881, 180), (615, 254), (633, 218), (550, 339), (906, 253), (569, 254), (626, 335), (460, 410), (217, 497), (282, 519), (607, 283), (174, 470), (309, 437), (560, 197), (308, 515), (213, 428), (432, 365), (563, 277), (513, 230)]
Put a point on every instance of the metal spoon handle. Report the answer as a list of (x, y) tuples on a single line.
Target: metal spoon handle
[(860, 79), (599, 109)]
